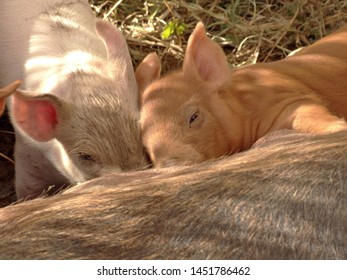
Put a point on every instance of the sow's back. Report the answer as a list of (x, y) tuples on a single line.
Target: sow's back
[(286, 198)]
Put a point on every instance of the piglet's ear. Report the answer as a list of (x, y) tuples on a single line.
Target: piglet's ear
[(205, 58), (5, 92), (2, 105), (148, 71), (119, 61), (36, 116), (113, 39)]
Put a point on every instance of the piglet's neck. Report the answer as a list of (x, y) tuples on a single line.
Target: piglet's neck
[(230, 115), (261, 100)]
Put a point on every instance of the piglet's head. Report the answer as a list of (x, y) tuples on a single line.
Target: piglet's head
[(90, 116), (184, 118)]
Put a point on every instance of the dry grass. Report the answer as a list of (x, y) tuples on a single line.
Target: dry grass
[(250, 31)]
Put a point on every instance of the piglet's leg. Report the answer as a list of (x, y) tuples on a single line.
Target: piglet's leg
[(314, 118)]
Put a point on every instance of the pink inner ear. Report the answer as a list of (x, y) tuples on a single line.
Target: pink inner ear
[(112, 37), (206, 67), (37, 118), (206, 57)]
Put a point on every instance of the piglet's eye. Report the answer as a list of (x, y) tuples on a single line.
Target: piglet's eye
[(193, 117), (86, 157), (90, 165), (196, 119)]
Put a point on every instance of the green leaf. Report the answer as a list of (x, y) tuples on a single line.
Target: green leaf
[(169, 29), (181, 28), (173, 27)]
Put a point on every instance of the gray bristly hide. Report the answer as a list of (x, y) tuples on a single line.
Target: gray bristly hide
[(283, 199)]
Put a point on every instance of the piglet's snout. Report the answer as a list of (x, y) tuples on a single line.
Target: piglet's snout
[(171, 154)]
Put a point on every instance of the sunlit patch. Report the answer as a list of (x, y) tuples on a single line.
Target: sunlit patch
[(78, 60), (40, 61), (65, 21), (53, 69)]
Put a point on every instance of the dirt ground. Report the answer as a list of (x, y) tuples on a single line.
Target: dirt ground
[(7, 194)]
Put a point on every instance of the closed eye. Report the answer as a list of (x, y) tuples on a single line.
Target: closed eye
[(86, 158), (90, 164)]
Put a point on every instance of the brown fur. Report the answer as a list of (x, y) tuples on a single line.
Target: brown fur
[(207, 110), (286, 198)]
